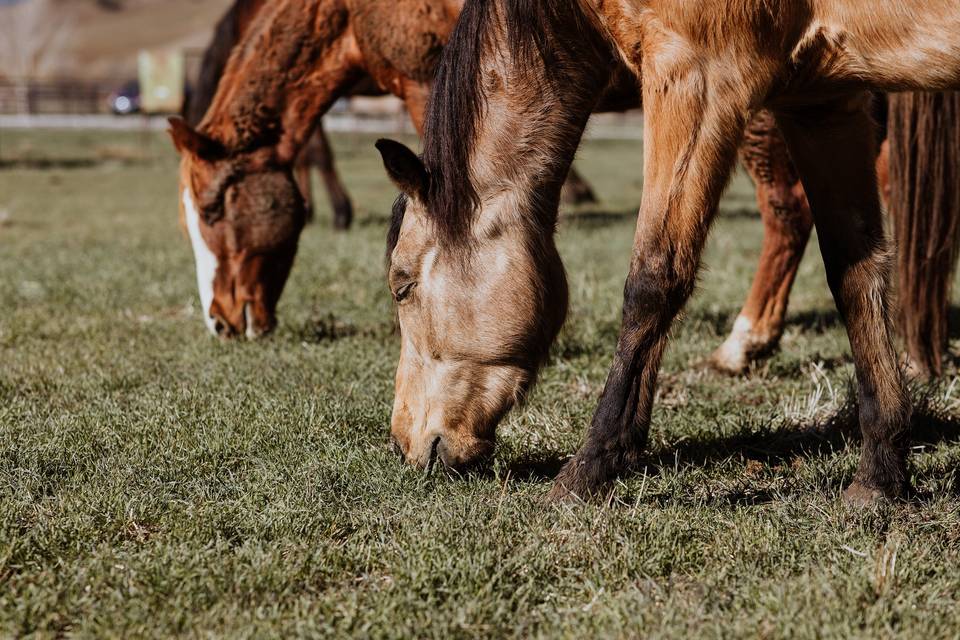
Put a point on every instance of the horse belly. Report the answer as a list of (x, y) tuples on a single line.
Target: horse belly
[(894, 45)]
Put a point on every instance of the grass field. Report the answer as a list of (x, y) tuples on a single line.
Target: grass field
[(155, 481)]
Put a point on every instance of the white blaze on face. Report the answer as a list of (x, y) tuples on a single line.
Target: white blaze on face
[(206, 261)]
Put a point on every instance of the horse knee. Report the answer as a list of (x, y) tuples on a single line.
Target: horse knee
[(655, 290)]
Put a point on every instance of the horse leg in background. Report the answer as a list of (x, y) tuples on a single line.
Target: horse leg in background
[(883, 172), (320, 155), (576, 190), (925, 203), (301, 174), (834, 149), (691, 149), (787, 223), (415, 96)]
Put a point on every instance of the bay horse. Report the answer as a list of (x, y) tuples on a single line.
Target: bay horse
[(243, 208), (221, 256), (479, 285), (229, 31), (247, 267)]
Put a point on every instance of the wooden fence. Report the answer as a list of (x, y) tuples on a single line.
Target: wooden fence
[(53, 97)]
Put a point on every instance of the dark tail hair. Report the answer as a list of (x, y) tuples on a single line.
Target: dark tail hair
[(925, 202), (226, 35)]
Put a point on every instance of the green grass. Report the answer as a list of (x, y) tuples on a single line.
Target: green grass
[(155, 481)]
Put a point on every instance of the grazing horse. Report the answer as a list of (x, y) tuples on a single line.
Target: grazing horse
[(229, 31), (242, 206), (479, 285)]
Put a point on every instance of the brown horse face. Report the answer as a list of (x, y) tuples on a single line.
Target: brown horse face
[(244, 221), (476, 324)]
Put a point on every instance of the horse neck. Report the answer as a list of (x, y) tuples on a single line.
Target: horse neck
[(229, 30), (532, 127), (265, 97)]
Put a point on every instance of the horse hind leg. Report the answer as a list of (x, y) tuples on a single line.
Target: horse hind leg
[(834, 145), (321, 156), (576, 190), (787, 223)]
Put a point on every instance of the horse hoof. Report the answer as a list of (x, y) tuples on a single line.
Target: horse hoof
[(574, 486), (863, 496), (860, 495), (560, 494), (729, 360)]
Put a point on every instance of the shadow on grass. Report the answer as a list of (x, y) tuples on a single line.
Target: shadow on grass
[(329, 328), (539, 467), (931, 426), (587, 218), (47, 164)]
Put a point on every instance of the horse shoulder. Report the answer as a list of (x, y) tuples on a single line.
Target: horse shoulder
[(401, 39)]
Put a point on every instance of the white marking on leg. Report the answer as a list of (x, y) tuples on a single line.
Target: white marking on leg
[(251, 331), (732, 354), (206, 261)]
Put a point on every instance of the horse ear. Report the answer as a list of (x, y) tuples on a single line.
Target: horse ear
[(188, 139), (403, 166)]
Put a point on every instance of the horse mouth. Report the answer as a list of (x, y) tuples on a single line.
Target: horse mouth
[(251, 331)]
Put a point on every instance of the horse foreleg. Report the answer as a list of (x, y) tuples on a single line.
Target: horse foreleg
[(321, 156), (301, 175), (415, 96), (835, 145), (691, 148), (787, 223)]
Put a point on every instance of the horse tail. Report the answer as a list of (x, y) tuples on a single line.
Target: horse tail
[(925, 202), (226, 35)]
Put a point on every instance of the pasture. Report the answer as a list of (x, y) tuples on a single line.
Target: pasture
[(156, 481)]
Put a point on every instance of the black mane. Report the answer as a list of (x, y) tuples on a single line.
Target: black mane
[(458, 99)]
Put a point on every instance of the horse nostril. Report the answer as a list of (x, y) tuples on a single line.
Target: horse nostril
[(449, 461), (397, 449), (433, 455), (223, 329)]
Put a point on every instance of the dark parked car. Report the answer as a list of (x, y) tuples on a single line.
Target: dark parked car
[(126, 99)]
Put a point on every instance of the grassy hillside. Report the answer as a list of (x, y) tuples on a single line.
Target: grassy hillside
[(155, 481)]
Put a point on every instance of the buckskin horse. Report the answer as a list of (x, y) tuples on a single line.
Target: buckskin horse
[(247, 261), (474, 228)]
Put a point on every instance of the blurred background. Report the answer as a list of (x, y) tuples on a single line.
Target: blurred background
[(63, 61)]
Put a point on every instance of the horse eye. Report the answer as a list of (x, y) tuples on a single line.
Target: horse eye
[(404, 292)]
